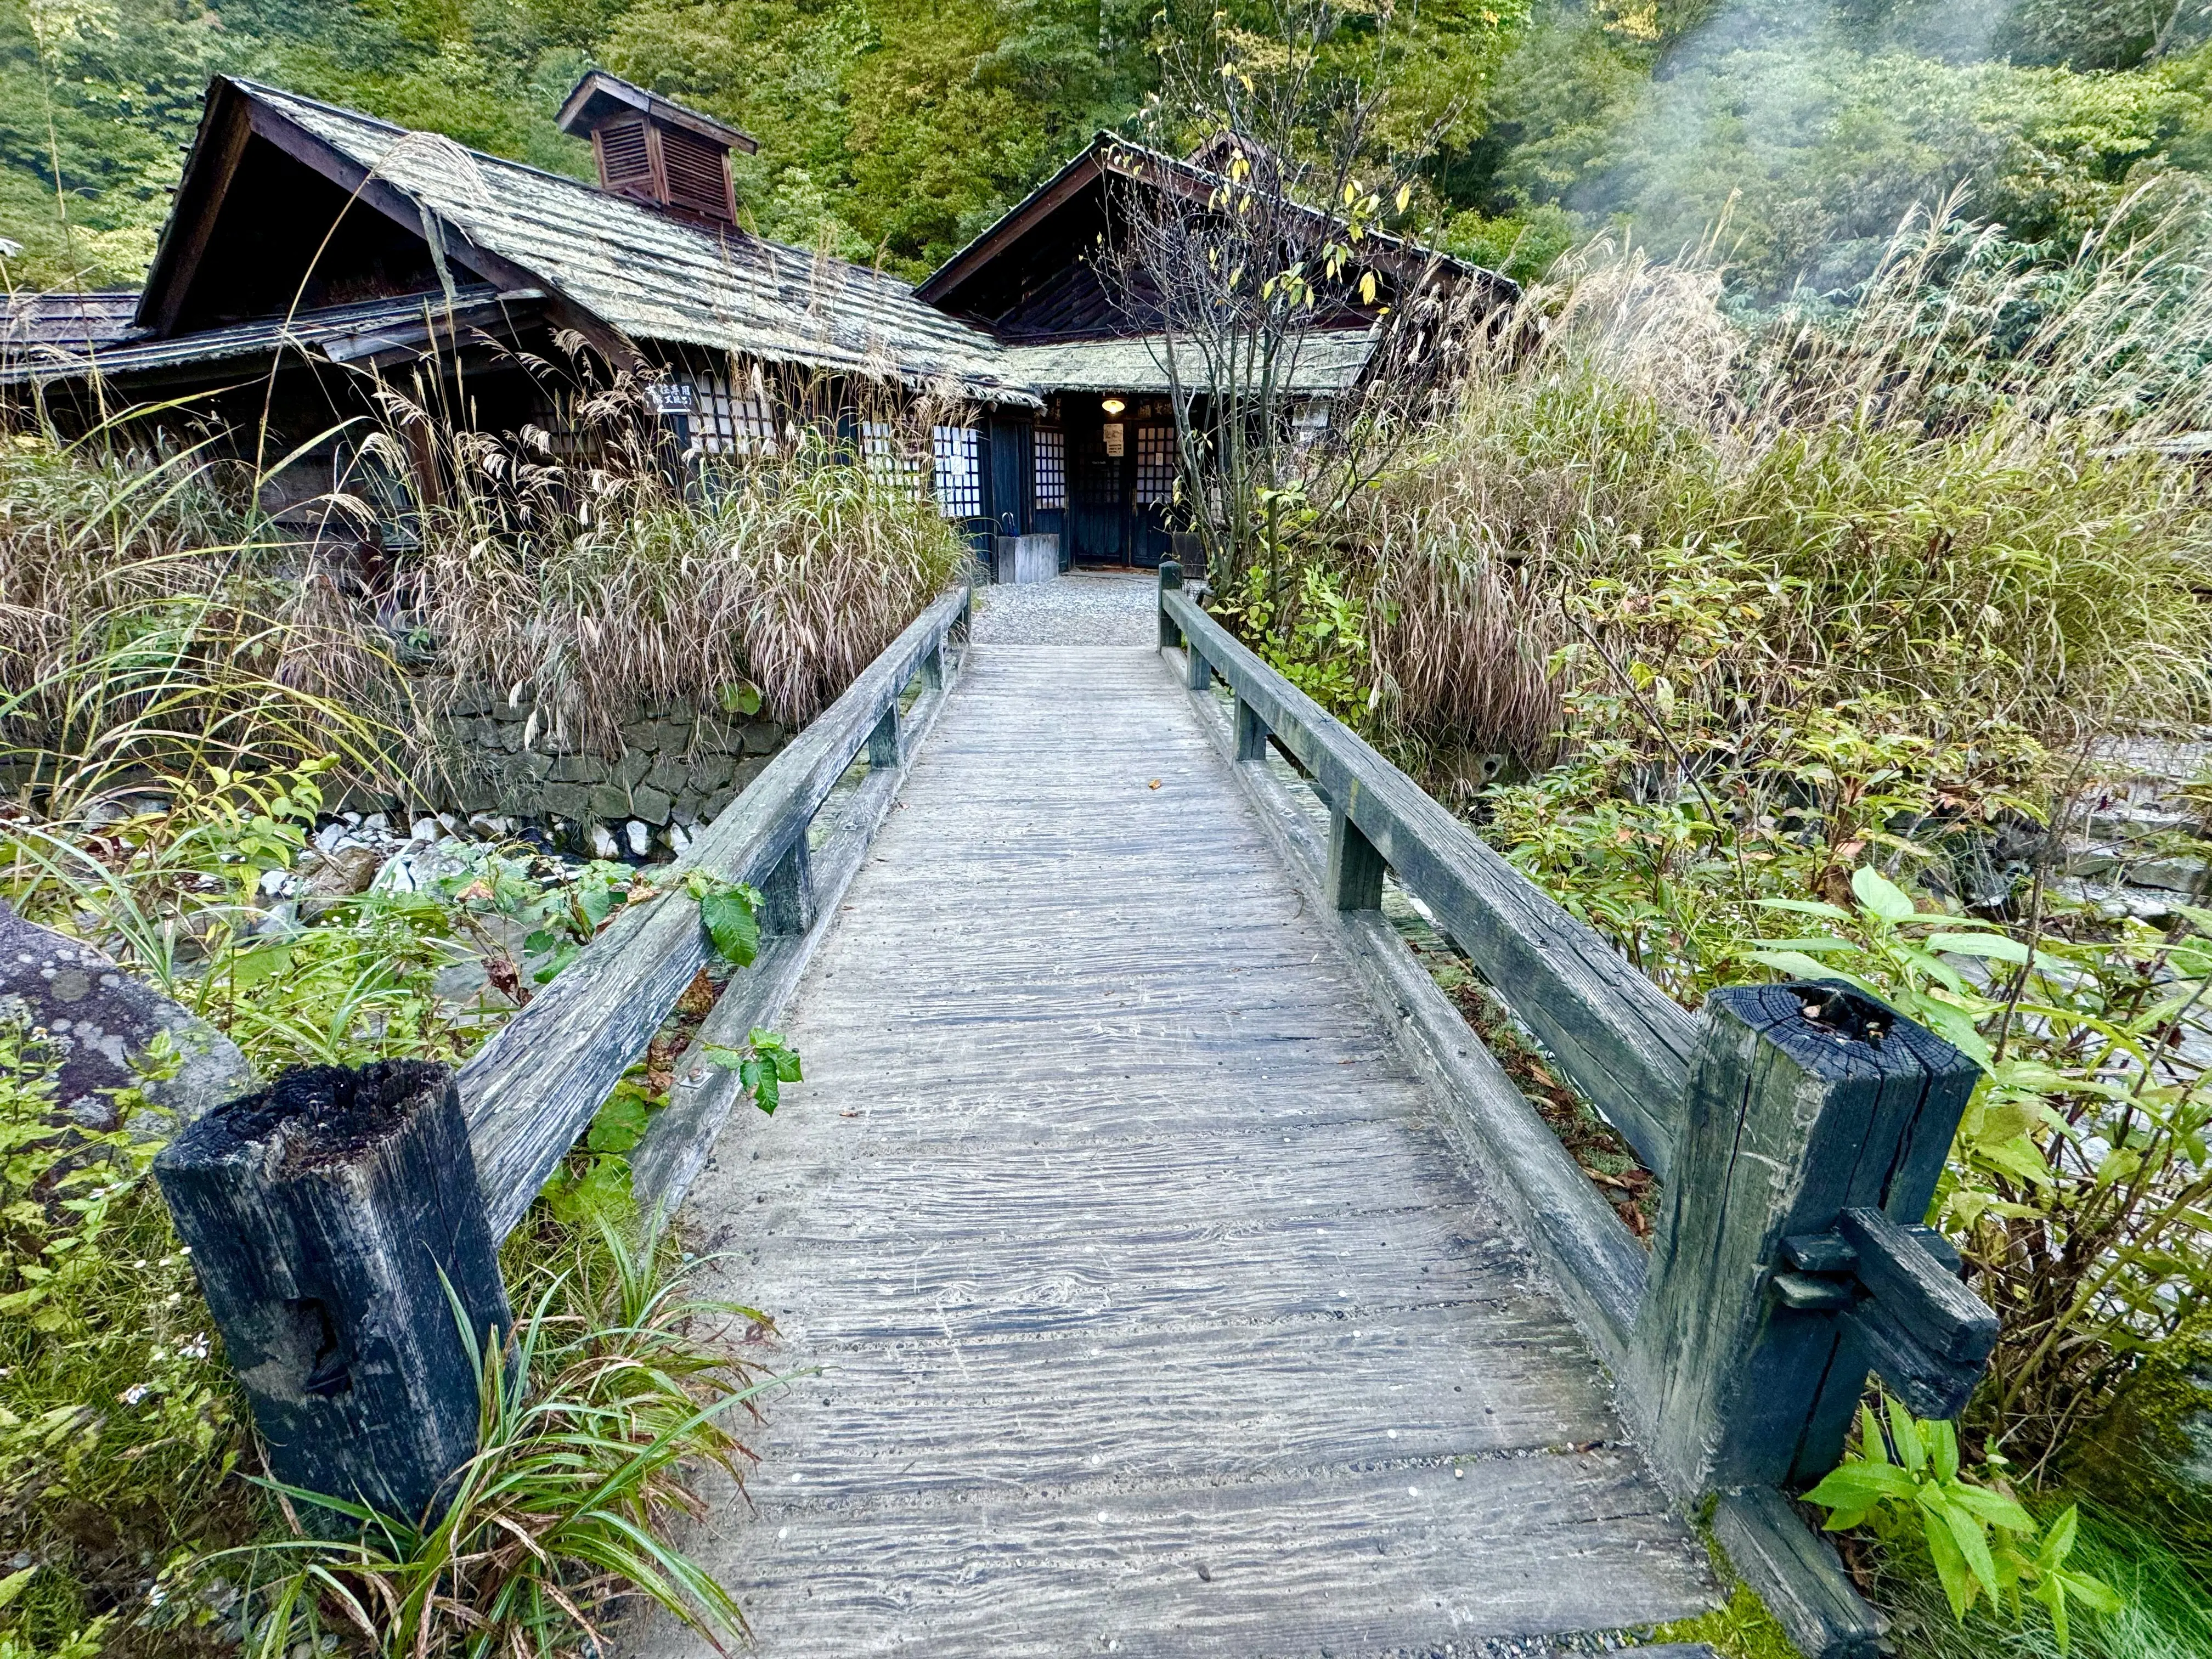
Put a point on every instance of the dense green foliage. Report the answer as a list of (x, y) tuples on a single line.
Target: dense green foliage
[(894, 132)]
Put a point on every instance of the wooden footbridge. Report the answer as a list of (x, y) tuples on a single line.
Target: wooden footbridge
[(1163, 1266)]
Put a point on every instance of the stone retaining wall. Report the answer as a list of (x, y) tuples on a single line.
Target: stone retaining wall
[(678, 767)]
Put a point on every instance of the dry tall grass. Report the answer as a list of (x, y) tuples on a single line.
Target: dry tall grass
[(1947, 492), (150, 628), (788, 571), (154, 624)]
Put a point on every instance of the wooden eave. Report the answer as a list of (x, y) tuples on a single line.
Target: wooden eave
[(1084, 168), (1401, 259), (231, 118)]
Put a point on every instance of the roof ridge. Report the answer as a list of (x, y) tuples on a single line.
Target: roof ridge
[(263, 87)]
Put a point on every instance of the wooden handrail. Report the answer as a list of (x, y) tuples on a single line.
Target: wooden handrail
[(532, 1088), (341, 1218), (1801, 1130), (1620, 1039)]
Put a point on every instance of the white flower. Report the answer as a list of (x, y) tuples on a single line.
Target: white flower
[(195, 1349), (135, 1393)]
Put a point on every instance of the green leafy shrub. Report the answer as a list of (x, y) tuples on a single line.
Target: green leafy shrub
[(1906, 1474), (119, 1424)]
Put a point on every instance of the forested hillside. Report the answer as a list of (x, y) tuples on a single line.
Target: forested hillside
[(893, 128)]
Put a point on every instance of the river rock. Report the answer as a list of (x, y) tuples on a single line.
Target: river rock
[(103, 1019)]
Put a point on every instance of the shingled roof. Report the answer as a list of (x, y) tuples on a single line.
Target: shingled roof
[(1108, 155), (46, 327), (361, 331), (642, 272)]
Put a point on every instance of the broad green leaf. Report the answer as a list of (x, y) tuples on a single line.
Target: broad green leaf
[(1862, 1483), (1904, 1434), (2093, 1590), (730, 923), (1807, 907), (1951, 1569), (1974, 1544), (1954, 1027), (1882, 896), (1798, 965), (1942, 1441), (1997, 947), (620, 1124), (1872, 1446), (2017, 1157), (1926, 962), (759, 1077), (2059, 1542)]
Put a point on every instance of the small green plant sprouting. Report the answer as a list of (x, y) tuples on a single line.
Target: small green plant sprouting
[(730, 912), (764, 1065), (590, 1411), (1980, 1539)]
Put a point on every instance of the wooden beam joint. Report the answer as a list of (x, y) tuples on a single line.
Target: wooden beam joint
[(788, 895)]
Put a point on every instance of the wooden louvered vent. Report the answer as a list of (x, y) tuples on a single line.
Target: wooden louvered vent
[(625, 158), (698, 172), (655, 149)]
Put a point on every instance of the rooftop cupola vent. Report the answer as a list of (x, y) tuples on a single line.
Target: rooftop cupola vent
[(653, 149)]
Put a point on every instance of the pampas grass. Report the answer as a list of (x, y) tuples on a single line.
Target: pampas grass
[(787, 571), (1949, 492), (154, 624)]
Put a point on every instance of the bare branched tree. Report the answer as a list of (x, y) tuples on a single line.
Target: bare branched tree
[(1301, 338)]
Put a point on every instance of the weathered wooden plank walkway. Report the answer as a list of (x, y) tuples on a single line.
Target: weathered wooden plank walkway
[(1152, 1312)]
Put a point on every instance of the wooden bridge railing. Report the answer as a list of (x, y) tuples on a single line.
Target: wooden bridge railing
[(338, 1221), (1799, 1130)]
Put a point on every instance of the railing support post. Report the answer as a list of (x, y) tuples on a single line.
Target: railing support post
[(1251, 733), (887, 742), (1355, 868), (1804, 1101), (933, 667), (326, 1217), (1198, 673), (1170, 580), (788, 895)]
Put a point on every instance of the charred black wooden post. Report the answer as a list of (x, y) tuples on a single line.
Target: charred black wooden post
[(1805, 1101), (1355, 868), (1170, 580), (325, 1217), (788, 895), (1251, 733)]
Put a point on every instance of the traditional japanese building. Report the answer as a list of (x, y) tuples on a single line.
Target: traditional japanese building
[(1053, 284), (314, 253), (310, 243)]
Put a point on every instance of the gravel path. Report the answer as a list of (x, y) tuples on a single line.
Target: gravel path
[(1083, 607)]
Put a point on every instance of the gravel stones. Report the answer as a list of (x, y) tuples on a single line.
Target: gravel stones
[(1082, 607)]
